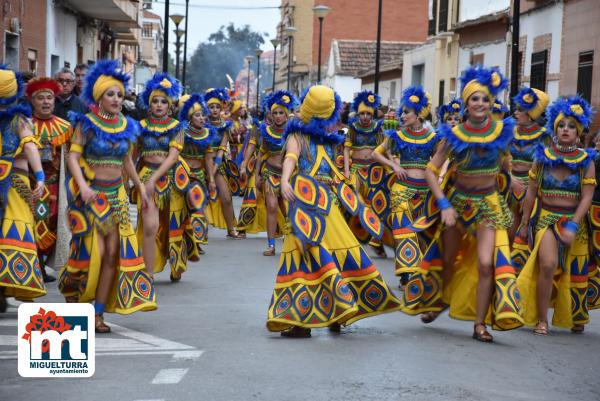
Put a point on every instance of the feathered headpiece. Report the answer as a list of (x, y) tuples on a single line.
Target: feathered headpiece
[(42, 84), (478, 78), (161, 84), (11, 85), (498, 110), (216, 95), (575, 107), (455, 106), (366, 101), (281, 98), (415, 98), (532, 100), (193, 103), (100, 77)]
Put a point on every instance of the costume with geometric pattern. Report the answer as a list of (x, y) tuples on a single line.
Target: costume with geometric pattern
[(106, 142)]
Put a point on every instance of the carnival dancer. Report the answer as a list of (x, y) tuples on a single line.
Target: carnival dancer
[(451, 113), (364, 134), (105, 262), (279, 105), (325, 277), (197, 140), (219, 166), (165, 177), (473, 221), (410, 148), (562, 179), (20, 268), (530, 105), (52, 133)]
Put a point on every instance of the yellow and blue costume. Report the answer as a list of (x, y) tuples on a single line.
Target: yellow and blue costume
[(20, 273), (195, 143), (157, 137), (471, 152), (228, 169), (325, 276), (522, 149), (576, 281)]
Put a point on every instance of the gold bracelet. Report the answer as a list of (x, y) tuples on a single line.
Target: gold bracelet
[(291, 156), (435, 170)]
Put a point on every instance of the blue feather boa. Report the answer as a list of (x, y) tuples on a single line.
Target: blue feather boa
[(500, 143), (22, 108), (316, 129), (402, 145), (201, 143), (355, 124), (170, 132), (268, 138), (588, 156), (130, 133)]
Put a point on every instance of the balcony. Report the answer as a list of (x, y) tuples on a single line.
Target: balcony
[(117, 13)]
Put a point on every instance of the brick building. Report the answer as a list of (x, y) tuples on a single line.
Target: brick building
[(402, 21), (23, 39)]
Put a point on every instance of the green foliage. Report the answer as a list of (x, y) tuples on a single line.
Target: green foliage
[(222, 54)]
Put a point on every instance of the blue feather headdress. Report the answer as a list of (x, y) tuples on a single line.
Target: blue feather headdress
[(415, 98), (282, 98), (479, 78), (499, 108), (533, 101), (573, 106), (455, 106), (370, 99), (319, 129), (111, 68), (164, 83), (20, 87), (194, 99), (219, 94)]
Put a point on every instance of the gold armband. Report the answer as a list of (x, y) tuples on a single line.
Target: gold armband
[(435, 170), (588, 181), (380, 149), (176, 145), (291, 155), (348, 144), (252, 141), (26, 140), (76, 148), (223, 148), (532, 174)]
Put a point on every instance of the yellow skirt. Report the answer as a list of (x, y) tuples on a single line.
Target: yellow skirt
[(172, 214), (132, 289), (335, 281), (20, 273), (570, 286), (253, 214)]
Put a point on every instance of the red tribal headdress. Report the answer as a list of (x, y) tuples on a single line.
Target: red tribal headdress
[(42, 84)]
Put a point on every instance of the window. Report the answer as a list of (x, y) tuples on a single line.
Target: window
[(538, 70), (392, 90), (11, 50), (443, 16), (584, 74), (432, 15), (54, 64), (417, 74), (147, 31), (441, 94), (477, 59)]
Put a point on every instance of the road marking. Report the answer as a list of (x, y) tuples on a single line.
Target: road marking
[(122, 341), (169, 376)]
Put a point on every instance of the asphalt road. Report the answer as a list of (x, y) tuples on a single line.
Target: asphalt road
[(208, 341)]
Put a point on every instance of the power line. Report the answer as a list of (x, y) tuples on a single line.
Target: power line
[(210, 7)]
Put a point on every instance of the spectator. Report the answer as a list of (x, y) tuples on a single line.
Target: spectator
[(67, 101), (80, 72)]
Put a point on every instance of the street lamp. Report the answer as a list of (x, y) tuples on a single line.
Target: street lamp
[(177, 18), (165, 56), (290, 31), (378, 49), (275, 42), (258, 52), (248, 60), (321, 12), (178, 34), (187, 4)]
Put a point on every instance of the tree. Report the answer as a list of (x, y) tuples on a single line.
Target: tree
[(222, 54)]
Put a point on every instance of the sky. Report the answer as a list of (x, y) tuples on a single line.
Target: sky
[(205, 18)]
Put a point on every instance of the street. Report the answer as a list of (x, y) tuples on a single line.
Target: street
[(208, 341)]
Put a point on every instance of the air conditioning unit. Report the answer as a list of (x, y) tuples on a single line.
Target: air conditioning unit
[(15, 25)]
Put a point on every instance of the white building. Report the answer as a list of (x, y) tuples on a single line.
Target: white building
[(419, 67), (61, 34)]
